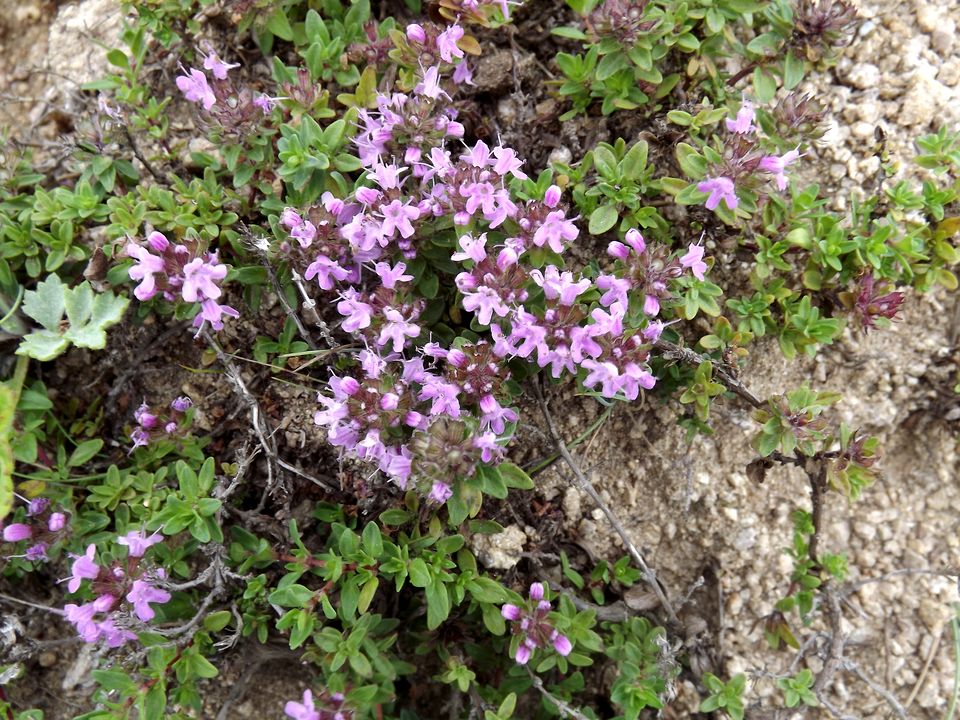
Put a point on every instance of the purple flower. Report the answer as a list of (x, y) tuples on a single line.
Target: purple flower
[(212, 312), (536, 591), (266, 103), (560, 286), (16, 532), (777, 165), (141, 595), (112, 635), (440, 493), (430, 87), (37, 506), (36, 553), (397, 217), (720, 188), (358, 314), (447, 43), (138, 542), (84, 568), (82, 618), (200, 279), (147, 266), (554, 231), (196, 88), (302, 711), (694, 260), (391, 276), (396, 329), (462, 74), (743, 123), (218, 67), (327, 272), (181, 404)]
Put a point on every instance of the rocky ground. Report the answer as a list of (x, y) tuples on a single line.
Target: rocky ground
[(691, 507)]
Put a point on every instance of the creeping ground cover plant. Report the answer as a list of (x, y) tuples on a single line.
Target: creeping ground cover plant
[(293, 342)]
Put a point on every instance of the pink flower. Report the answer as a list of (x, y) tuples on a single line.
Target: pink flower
[(556, 229), (430, 87), (447, 43), (266, 103), (536, 591), (462, 75), (397, 217), (777, 165), (147, 266), (84, 568), (397, 329), (327, 272), (138, 542), (358, 314), (694, 260), (141, 595), (196, 88), (82, 618), (218, 67), (440, 492), (200, 279), (302, 711), (391, 276), (743, 123), (720, 188)]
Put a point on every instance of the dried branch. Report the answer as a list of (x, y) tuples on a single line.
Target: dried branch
[(586, 486), (565, 709), (675, 352)]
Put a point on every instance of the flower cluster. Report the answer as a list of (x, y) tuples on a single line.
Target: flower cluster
[(327, 706), (871, 300), (415, 421), (41, 526), (234, 109), (104, 618), (743, 158), (418, 424), (149, 422), (180, 271), (531, 623)]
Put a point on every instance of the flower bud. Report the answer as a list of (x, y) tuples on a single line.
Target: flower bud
[(416, 33), (552, 196), (16, 532), (57, 522), (158, 241)]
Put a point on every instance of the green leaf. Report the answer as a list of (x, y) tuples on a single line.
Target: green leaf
[(46, 303), (793, 71), (372, 540), (605, 162), (602, 219), (514, 476), (84, 452), (217, 621), (279, 25), (764, 85)]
